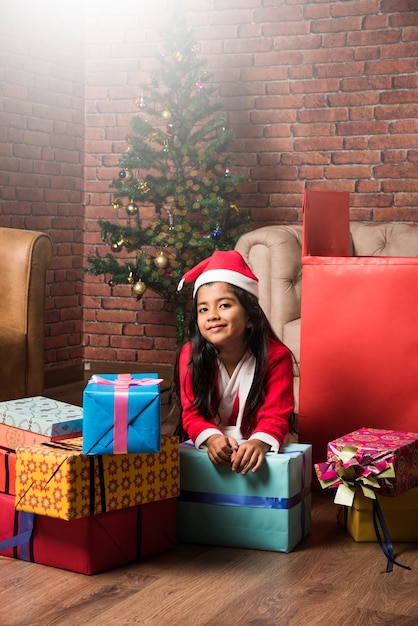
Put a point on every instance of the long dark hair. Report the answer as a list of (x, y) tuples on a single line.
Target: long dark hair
[(203, 360)]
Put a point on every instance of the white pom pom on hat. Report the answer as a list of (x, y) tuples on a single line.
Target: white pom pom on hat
[(223, 266)]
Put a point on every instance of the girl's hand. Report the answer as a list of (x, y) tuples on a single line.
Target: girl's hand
[(221, 448), (249, 456)]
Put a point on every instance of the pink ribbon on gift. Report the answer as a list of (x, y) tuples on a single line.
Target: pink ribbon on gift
[(120, 424)]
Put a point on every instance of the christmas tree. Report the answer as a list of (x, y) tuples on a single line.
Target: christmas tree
[(175, 194)]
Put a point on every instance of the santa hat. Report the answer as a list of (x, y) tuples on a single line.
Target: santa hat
[(223, 266)]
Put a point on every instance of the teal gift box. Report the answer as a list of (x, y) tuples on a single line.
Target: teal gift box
[(266, 510), (122, 414)]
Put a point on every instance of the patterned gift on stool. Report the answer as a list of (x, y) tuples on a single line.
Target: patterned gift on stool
[(372, 462), (122, 414), (267, 510), (30, 421), (58, 480)]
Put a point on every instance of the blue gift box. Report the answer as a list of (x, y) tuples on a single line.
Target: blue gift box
[(134, 407), (266, 510)]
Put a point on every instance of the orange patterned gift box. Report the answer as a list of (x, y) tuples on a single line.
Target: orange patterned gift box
[(58, 480)]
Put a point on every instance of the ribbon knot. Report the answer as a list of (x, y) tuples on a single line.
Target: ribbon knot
[(122, 383), (351, 467)]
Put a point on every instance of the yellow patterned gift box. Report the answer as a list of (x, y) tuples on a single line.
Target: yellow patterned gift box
[(58, 480)]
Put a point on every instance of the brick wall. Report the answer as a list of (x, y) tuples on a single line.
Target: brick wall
[(41, 153), (320, 94)]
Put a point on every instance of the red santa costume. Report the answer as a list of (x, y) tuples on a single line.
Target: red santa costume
[(271, 422)]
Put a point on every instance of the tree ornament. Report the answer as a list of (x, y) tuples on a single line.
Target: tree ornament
[(170, 220), (122, 174), (165, 149), (110, 283), (139, 288), (161, 261), (130, 279), (166, 114), (142, 186), (139, 102), (132, 208), (227, 173), (117, 203), (217, 233), (178, 56), (117, 246)]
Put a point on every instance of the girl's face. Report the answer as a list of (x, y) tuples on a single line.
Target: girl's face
[(221, 318)]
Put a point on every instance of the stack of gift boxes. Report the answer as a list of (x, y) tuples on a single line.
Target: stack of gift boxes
[(77, 503), (91, 489)]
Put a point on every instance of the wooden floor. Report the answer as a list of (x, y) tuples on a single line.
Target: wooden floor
[(329, 579)]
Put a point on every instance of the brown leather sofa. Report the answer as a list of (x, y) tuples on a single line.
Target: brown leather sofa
[(24, 259), (275, 255)]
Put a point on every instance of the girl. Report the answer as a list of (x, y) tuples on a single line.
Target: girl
[(233, 377)]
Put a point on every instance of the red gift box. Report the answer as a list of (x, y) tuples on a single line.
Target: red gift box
[(374, 452), (7, 471), (91, 544)]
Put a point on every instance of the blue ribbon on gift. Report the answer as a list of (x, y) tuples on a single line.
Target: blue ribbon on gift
[(22, 538), (255, 502), (384, 539)]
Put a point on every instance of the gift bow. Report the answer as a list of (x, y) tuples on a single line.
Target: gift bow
[(120, 425), (348, 468)]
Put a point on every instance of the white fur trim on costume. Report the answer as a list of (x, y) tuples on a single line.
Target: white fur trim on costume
[(268, 439), (205, 434), (227, 276)]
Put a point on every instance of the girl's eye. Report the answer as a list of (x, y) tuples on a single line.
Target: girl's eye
[(203, 309)]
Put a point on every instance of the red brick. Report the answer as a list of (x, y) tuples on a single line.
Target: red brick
[(400, 170), (362, 7), (362, 128)]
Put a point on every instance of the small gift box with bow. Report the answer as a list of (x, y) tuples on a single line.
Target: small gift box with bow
[(122, 414), (374, 462), (370, 459)]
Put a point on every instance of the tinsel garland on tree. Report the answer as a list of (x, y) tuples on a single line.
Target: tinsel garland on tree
[(176, 166)]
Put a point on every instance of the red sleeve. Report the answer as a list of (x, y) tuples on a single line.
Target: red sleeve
[(193, 422), (273, 416)]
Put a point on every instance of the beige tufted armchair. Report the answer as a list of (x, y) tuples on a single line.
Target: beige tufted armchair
[(274, 253), (24, 259)]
